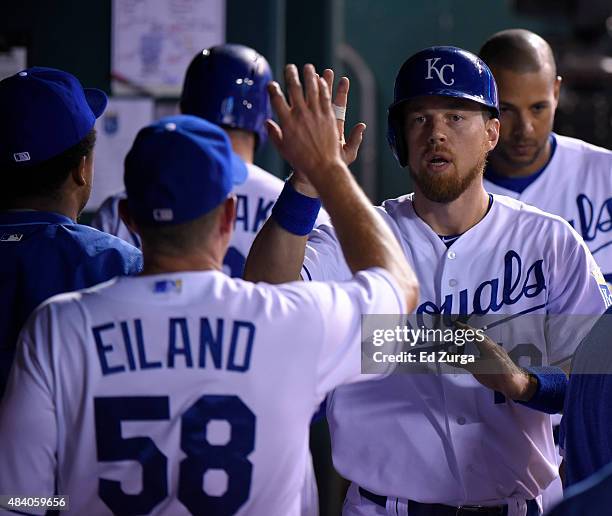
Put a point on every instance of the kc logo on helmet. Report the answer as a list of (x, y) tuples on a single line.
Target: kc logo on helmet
[(431, 67)]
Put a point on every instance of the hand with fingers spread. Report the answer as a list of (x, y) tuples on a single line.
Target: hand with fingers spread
[(496, 370), (348, 149), (307, 136)]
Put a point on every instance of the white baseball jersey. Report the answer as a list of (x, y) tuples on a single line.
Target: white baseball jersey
[(255, 198), (180, 393), (576, 185), (445, 438)]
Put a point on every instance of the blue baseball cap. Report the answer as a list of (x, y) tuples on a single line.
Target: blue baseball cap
[(44, 112), (178, 169)]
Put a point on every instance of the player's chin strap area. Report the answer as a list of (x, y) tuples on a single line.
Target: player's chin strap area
[(399, 507)]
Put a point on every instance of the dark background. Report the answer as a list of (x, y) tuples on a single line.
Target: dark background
[(366, 39)]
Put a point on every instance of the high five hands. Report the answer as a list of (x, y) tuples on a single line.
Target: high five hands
[(310, 137)]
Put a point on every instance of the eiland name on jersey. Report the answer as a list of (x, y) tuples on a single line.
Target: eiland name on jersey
[(217, 343), (517, 282)]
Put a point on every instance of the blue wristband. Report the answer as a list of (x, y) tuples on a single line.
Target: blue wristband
[(295, 212), (552, 383)]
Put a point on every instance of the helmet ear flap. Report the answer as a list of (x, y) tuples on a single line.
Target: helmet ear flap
[(395, 135)]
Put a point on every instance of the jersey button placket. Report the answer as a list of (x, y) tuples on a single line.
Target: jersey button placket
[(450, 283), (450, 273)]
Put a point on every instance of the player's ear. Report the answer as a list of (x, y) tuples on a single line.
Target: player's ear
[(228, 214), (80, 172), (557, 89), (492, 133), (127, 219)]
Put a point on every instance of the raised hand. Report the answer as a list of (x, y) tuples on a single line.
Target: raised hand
[(307, 135)]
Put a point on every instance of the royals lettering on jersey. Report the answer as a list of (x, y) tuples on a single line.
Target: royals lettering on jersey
[(515, 283), (517, 262), (593, 219), (576, 185)]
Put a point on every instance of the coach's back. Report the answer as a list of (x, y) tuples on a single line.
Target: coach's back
[(185, 392)]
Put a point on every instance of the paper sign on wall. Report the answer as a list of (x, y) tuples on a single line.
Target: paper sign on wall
[(153, 42)]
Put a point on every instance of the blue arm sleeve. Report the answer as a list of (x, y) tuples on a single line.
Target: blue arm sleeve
[(550, 395)]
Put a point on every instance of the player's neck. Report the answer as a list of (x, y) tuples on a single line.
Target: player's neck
[(456, 217), (505, 168), (155, 263), (69, 209), (243, 144)]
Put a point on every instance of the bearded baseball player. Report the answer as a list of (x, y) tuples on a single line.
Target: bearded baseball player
[(225, 85), (185, 391), (561, 175), (453, 446)]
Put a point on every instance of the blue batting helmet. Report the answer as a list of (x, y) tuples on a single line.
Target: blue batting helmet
[(442, 71), (226, 85)]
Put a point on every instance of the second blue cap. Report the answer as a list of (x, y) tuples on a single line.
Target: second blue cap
[(178, 169)]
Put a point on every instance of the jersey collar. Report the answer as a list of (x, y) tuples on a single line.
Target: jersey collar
[(414, 223), (451, 239), (33, 217)]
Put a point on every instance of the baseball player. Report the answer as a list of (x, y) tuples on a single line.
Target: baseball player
[(225, 85), (452, 446), (185, 391), (47, 138), (561, 175)]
